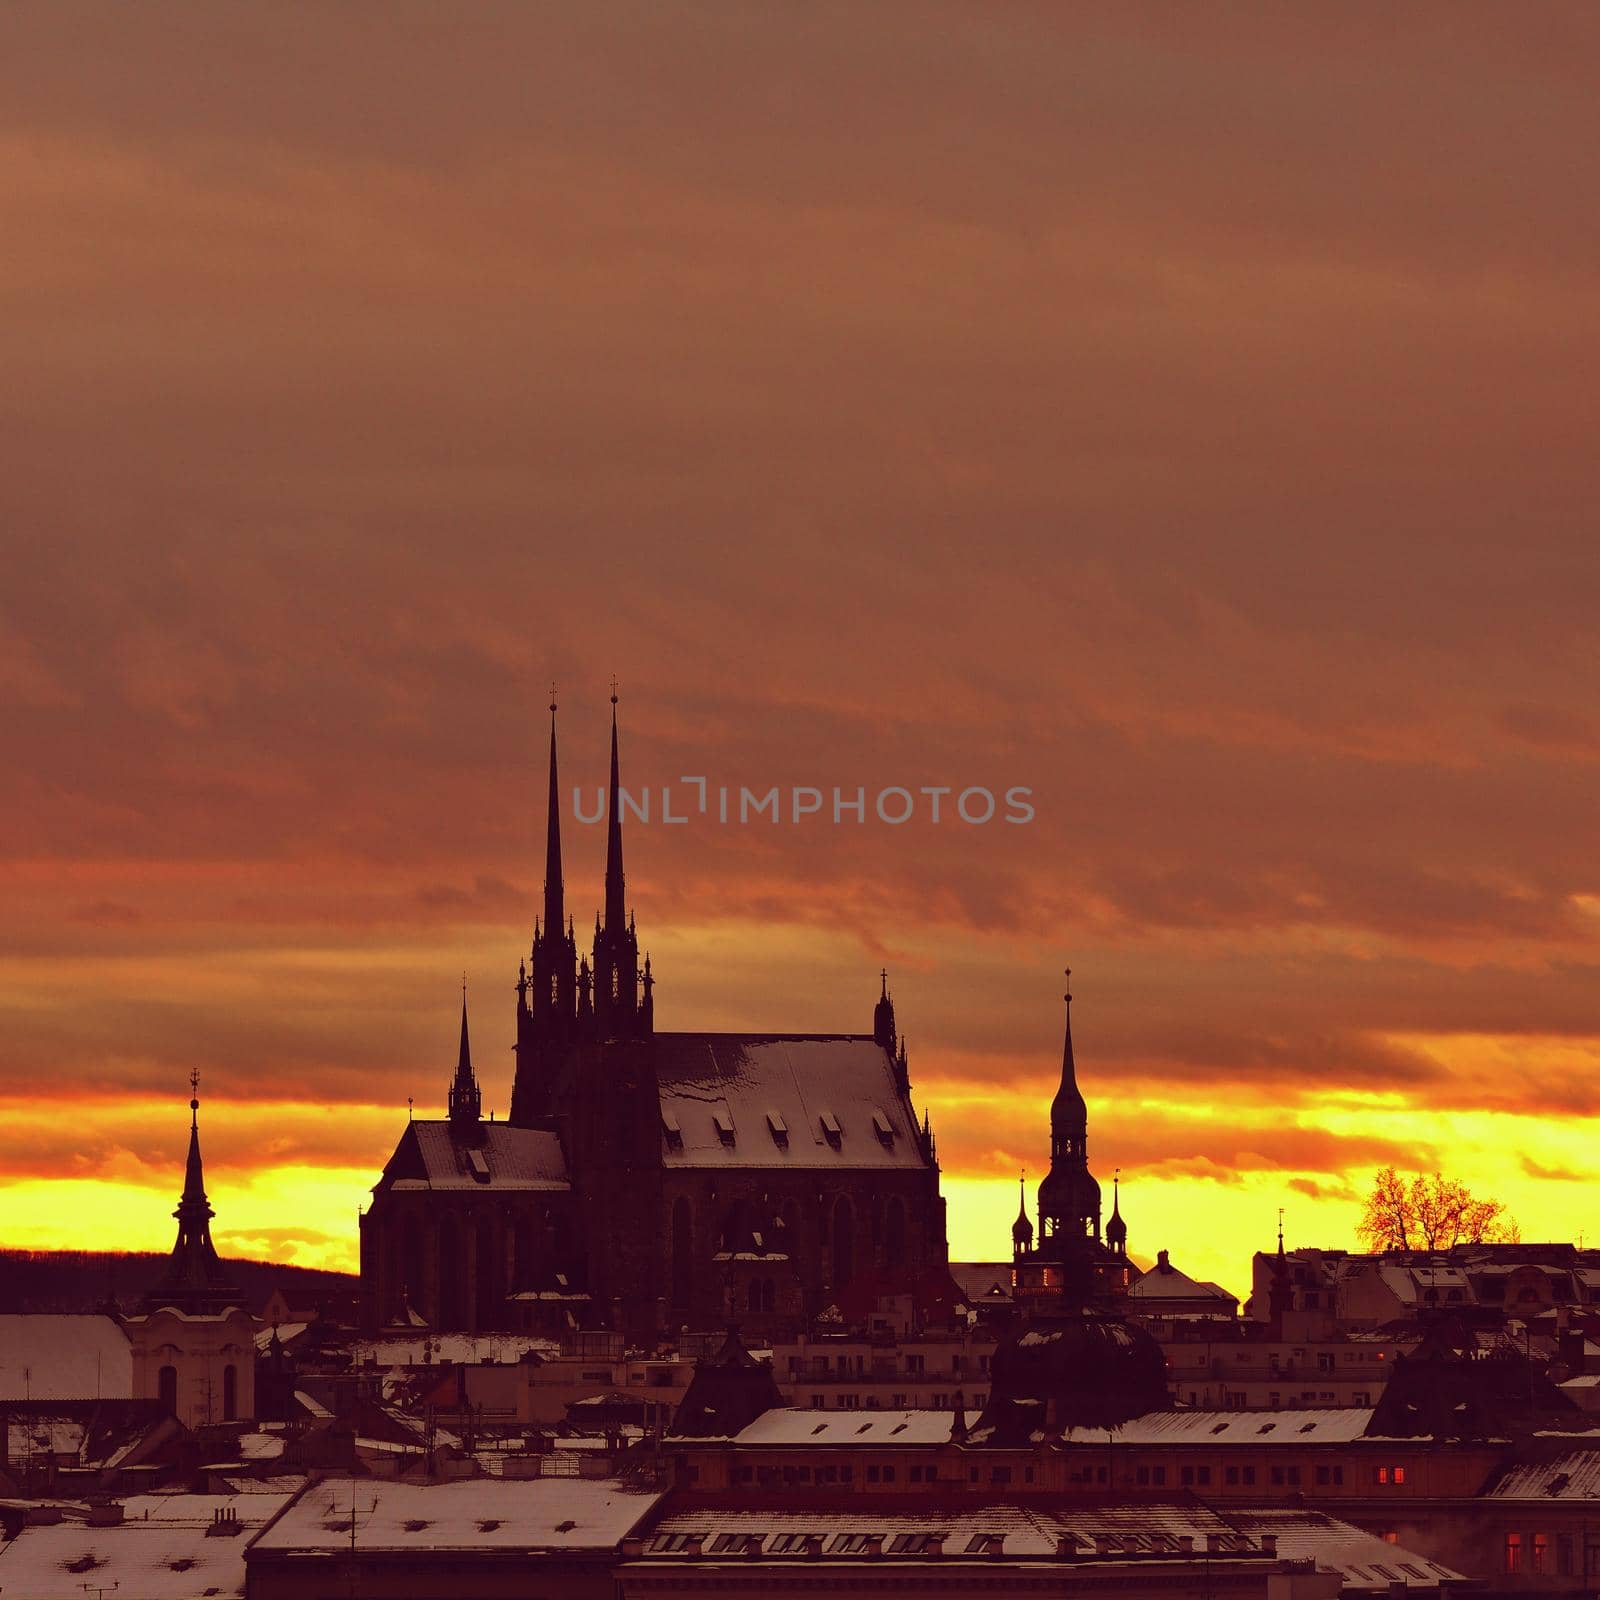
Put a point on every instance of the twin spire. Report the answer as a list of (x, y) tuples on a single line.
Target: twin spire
[(560, 997)]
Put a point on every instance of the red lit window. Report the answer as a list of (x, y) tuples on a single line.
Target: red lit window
[(1399, 1474), (1513, 1552)]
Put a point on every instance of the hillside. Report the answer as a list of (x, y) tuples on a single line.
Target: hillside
[(87, 1280)]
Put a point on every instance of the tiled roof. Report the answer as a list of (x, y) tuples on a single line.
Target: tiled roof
[(782, 1100)]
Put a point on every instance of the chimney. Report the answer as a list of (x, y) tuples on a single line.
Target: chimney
[(1269, 1545), (1066, 1547), (1213, 1543), (933, 1545), (107, 1515)]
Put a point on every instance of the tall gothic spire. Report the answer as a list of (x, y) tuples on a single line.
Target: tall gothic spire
[(466, 1099), (195, 1279), (615, 898), (554, 913)]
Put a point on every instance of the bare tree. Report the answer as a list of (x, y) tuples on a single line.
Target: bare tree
[(1430, 1213)]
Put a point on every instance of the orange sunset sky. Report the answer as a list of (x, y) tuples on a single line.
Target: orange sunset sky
[(1188, 412)]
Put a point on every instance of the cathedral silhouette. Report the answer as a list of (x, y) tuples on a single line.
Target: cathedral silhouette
[(648, 1181)]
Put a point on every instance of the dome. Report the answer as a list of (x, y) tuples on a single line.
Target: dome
[(1070, 1193), (1076, 1370)]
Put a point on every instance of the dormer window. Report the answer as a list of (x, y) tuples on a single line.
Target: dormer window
[(724, 1126), (671, 1130), (831, 1130), (884, 1129), (779, 1129)]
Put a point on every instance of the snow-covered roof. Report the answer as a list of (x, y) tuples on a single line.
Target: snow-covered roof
[(555, 1513), (507, 1158), (1241, 1427), (1144, 1527), (160, 1550), (1363, 1559), (796, 1426), (789, 1425), (1574, 1476), (424, 1349), (782, 1100), (46, 1356)]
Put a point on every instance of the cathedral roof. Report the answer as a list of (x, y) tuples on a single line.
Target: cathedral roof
[(782, 1100), (427, 1157)]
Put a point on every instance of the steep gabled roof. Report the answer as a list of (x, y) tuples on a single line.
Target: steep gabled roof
[(502, 1158), (783, 1100)]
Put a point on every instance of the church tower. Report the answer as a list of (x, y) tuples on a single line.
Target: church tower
[(547, 986), (195, 1279), (1069, 1197)]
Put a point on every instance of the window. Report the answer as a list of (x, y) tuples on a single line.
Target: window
[(1249, 1474), (230, 1393), (1186, 1477), (1158, 1475), (1000, 1475), (167, 1389), (1230, 1475), (779, 1129), (1564, 1554), (1399, 1474), (888, 1474), (1513, 1552), (1325, 1361), (1202, 1475), (1322, 1475), (872, 1473), (1541, 1552)]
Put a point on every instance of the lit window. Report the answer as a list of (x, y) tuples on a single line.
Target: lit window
[(1513, 1562)]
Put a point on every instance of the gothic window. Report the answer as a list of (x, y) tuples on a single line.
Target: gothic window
[(844, 1242), (488, 1276), (682, 1254), (894, 1247), (230, 1393), (449, 1300), (555, 989), (167, 1389), (616, 983)]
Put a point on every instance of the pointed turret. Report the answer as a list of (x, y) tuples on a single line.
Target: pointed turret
[(883, 1015), (1116, 1228), (195, 1279), (466, 1099), (1069, 1197), (1022, 1228)]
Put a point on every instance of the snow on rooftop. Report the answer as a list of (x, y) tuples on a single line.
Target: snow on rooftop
[(64, 1357), (794, 1426), (424, 1349), (1028, 1530), (1363, 1559), (160, 1551), (1574, 1476), (474, 1513), (788, 1425), (833, 1094)]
